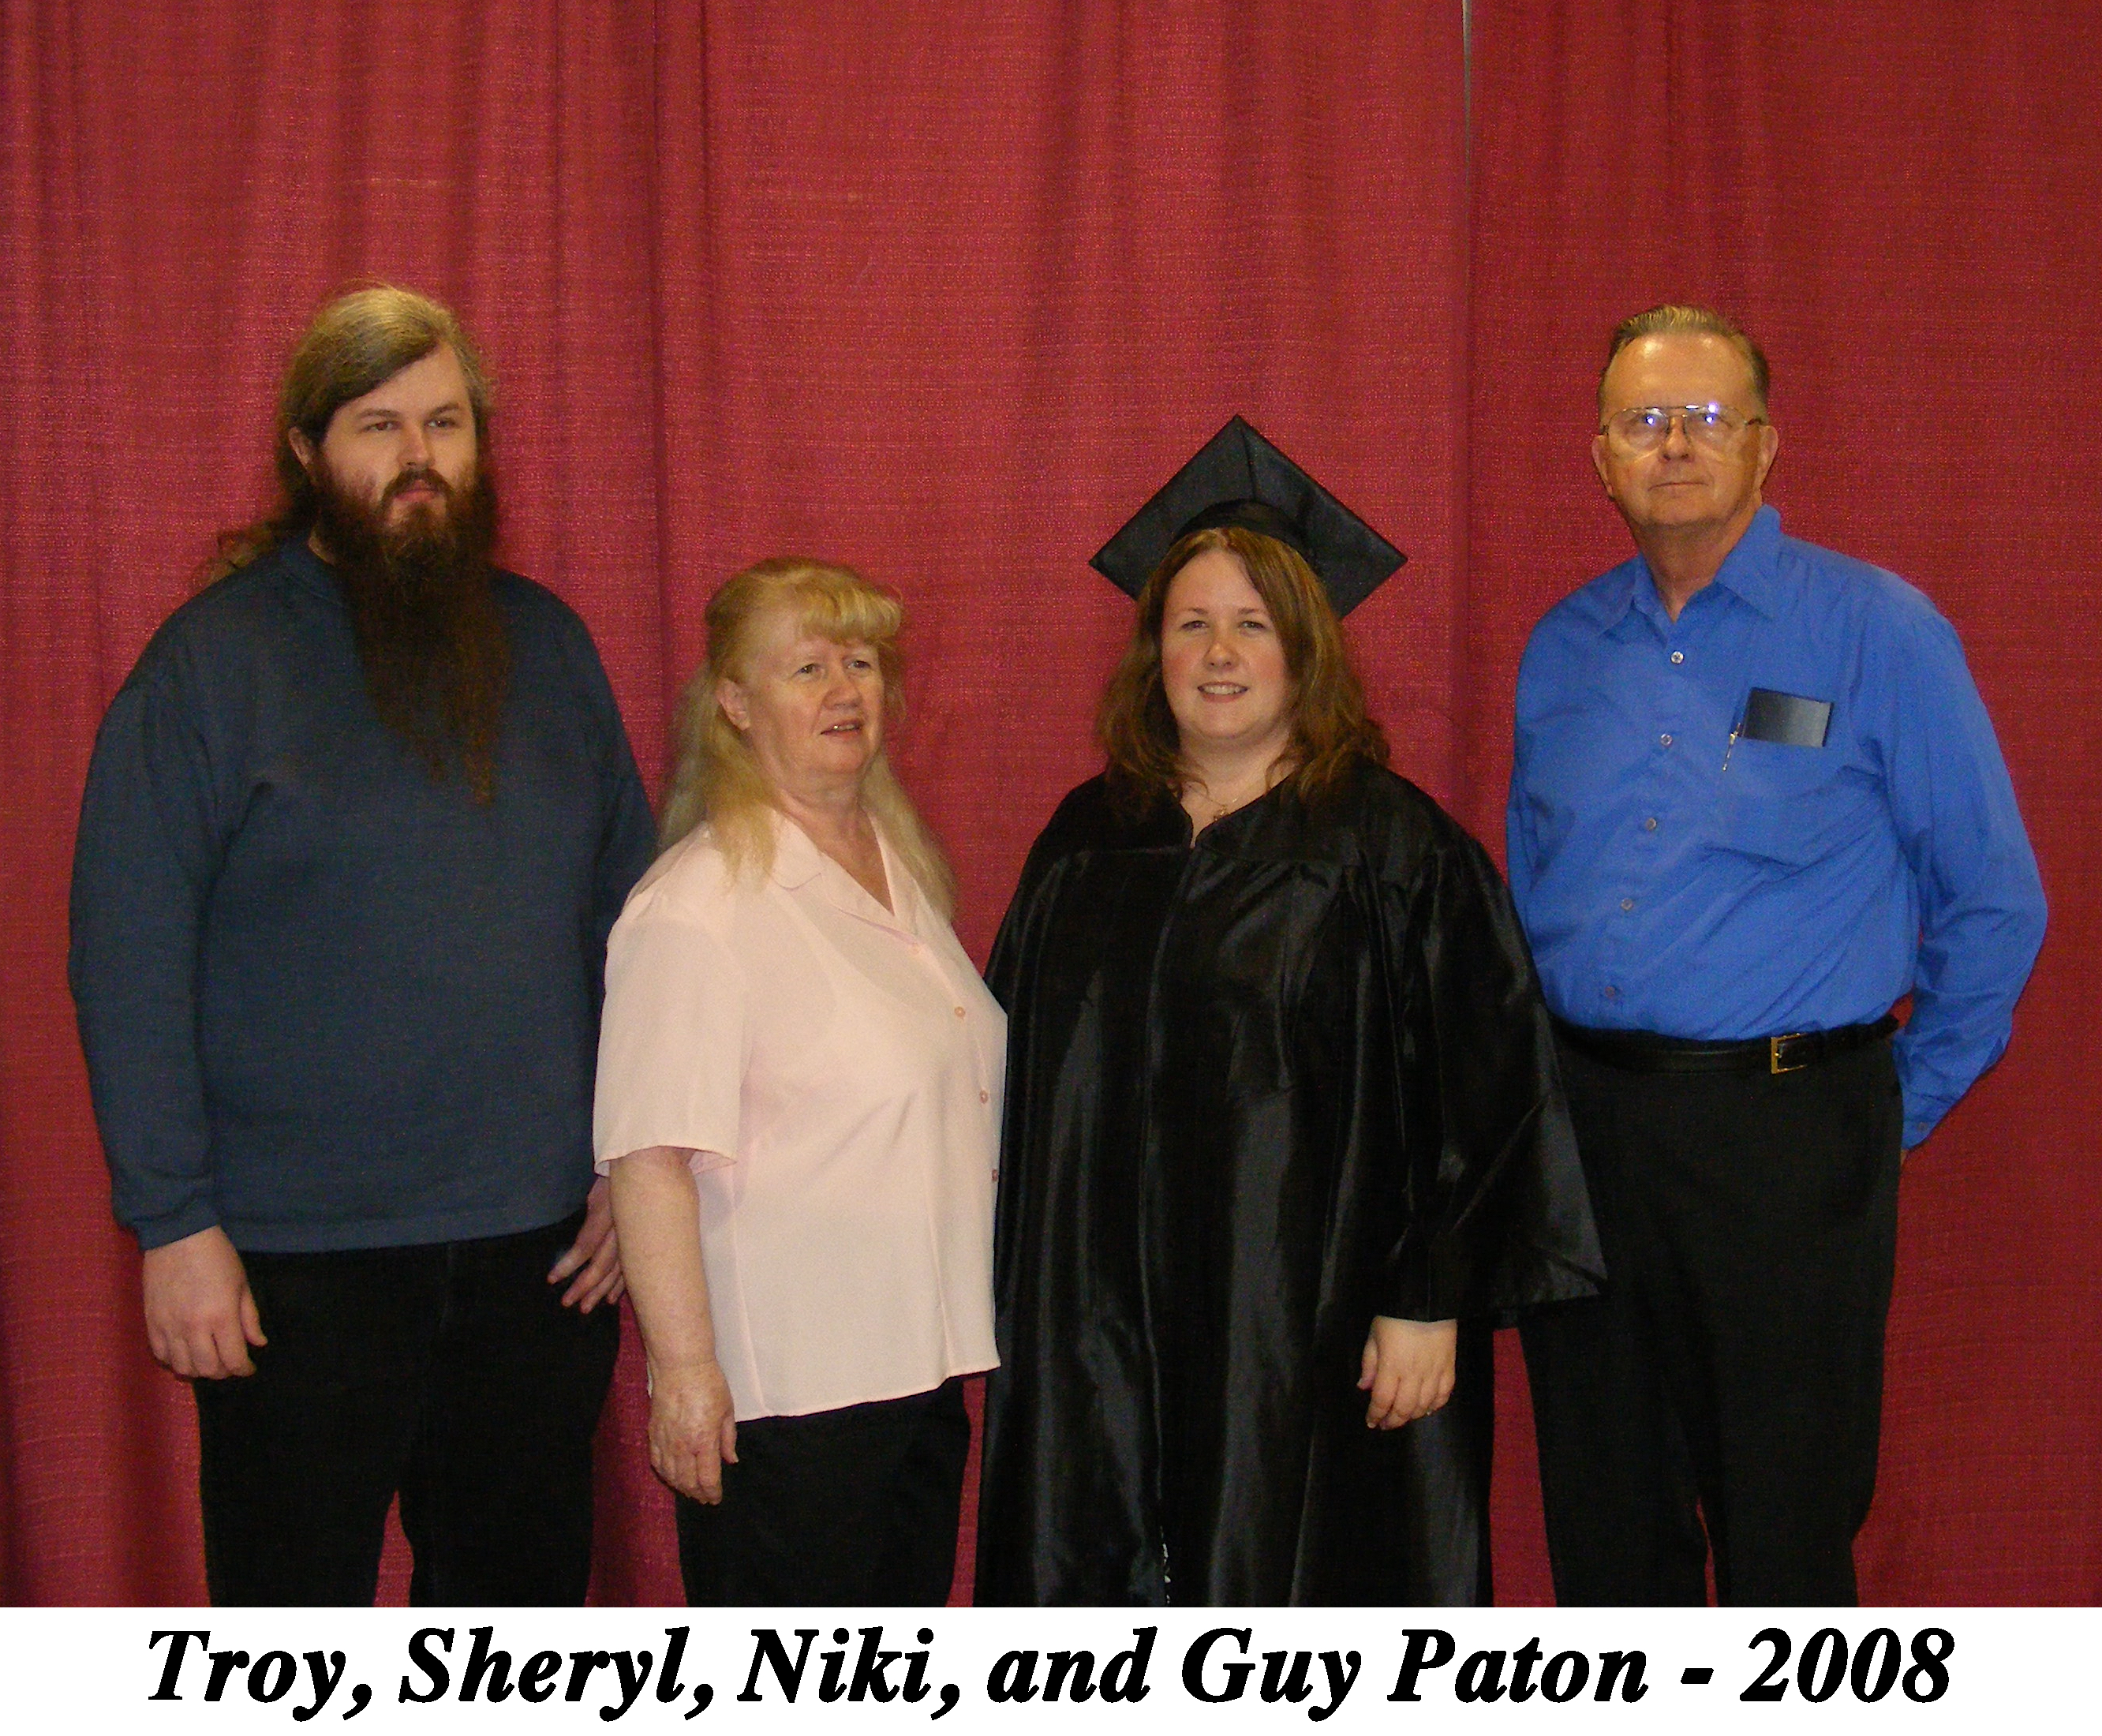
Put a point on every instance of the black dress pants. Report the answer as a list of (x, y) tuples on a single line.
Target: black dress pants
[(857, 1506), (449, 1374), (1732, 1371)]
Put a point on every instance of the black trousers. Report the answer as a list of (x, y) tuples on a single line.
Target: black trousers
[(449, 1374), (1732, 1371), (857, 1506)]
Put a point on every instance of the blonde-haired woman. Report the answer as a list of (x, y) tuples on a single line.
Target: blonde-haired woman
[(798, 1058)]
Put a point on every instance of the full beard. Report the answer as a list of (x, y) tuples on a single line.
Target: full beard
[(422, 607)]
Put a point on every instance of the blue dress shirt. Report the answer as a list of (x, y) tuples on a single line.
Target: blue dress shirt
[(1676, 875)]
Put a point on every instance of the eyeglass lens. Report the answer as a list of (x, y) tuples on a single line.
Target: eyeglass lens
[(1647, 426)]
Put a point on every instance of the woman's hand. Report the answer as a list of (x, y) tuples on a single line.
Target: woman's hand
[(692, 1428), (1407, 1368)]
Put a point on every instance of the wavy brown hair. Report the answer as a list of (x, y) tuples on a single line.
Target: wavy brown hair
[(356, 344), (717, 780), (1331, 730)]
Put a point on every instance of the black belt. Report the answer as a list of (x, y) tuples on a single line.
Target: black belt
[(1645, 1052)]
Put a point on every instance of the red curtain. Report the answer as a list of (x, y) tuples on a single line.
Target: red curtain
[(945, 296)]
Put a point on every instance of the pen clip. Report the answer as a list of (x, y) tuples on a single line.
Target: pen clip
[(1737, 730)]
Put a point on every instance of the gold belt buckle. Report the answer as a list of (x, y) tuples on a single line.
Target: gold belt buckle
[(1774, 1064)]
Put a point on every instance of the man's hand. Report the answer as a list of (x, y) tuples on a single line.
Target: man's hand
[(594, 1256), (199, 1318), (693, 1429), (1407, 1368)]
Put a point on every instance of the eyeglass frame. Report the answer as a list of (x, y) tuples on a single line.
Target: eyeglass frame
[(1680, 415)]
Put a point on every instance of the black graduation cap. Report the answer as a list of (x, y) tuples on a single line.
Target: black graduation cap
[(1239, 477)]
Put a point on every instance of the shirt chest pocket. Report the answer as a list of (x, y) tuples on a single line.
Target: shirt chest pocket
[(1789, 806)]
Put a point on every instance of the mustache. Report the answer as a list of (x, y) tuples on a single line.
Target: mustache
[(418, 478)]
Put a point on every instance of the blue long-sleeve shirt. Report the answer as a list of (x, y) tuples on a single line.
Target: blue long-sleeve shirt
[(327, 1002), (1677, 874)]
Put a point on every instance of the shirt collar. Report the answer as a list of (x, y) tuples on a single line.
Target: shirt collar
[(797, 861), (1750, 570)]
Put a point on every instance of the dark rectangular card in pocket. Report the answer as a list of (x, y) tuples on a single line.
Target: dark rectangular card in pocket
[(1786, 718)]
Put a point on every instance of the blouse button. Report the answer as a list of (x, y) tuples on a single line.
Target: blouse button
[(1678, 656)]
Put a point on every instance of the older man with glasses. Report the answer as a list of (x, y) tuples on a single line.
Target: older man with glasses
[(1756, 802)]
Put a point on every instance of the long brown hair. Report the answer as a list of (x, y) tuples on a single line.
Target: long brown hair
[(356, 343), (1331, 729), (717, 779)]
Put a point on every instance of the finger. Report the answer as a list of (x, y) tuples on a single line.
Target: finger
[(195, 1358), (676, 1464), (1368, 1364), (1412, 1399), (251, 1318), (675, 1471), (592, 1290), (589, 1287), (1386, 1385), (728, 1449), (707, 1468), (572, 1257), (229, 1350)]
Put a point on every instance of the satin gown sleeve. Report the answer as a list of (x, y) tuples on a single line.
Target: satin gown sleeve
[(1498, 1218)]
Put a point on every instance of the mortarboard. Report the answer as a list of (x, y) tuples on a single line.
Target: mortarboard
[(1238, 477)]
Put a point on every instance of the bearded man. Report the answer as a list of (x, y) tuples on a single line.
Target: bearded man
[(354, 833)]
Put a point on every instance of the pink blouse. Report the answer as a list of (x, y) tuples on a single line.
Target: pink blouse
[(835, 1070)]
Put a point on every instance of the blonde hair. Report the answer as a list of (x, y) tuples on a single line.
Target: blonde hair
[(716, 778)]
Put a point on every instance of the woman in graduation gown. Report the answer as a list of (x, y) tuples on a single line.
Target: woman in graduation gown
[(1284, 1136)]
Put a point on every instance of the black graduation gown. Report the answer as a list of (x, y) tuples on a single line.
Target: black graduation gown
[(1258, 1091)]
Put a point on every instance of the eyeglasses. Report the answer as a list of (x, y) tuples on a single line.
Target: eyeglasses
[(1646, 426)]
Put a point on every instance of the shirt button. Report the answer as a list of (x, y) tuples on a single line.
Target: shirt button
[(1649, 824), (1663, 741), (1678, 656), (1612, 993), (1627, 903)]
